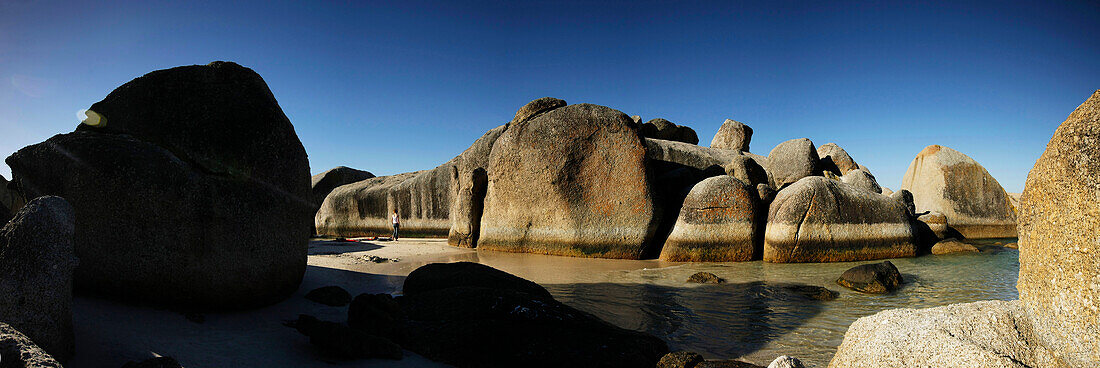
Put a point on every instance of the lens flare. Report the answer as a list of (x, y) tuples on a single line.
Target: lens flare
[(91, 118)]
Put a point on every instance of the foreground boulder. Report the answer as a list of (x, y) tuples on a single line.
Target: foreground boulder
[(874, 278), (790, 161), (189, 186), (717, 223), (947, 181), (666, 130), (16, 350), (571, 181), (36, 274), (823, 220), (325, 182), (502, 325), (1059, 253), (981, 334), (339, 341), (733, 135)]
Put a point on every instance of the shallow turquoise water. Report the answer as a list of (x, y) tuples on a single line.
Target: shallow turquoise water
[(754, 317)]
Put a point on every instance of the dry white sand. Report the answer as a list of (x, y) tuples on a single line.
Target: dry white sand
[(109, 334)]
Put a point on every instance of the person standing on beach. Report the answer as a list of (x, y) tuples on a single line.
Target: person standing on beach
[(396, 224)]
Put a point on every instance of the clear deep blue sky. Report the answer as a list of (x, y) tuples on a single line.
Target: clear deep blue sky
[(398, 86)]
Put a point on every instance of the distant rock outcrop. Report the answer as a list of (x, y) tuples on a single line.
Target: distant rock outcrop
[(36, 274), (836, 159), (1059, 252), (823, 220), (733, 135), (325, 182), (790, 161), (666, 130), (945, 180), (717, 223), (189, 185), (571, 181)]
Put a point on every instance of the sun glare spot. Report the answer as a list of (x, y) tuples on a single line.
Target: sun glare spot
[(91, 118)]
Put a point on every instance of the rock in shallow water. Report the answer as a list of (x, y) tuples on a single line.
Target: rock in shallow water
[(786, 362), (949, 246), (875, 278), (36, 274), (823, 220), (717, 223), (705, 278)]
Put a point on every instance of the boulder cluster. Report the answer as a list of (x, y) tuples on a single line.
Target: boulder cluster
[(589, 181), (1054, 323)]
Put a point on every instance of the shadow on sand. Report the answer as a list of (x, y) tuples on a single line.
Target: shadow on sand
[(723, 321), (321, 247)]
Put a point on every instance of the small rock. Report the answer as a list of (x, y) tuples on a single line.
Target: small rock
[(786, 362), (341, 341), (874, 278), (680, 359), (705, 278), (158, 362), (813, 292), (953, 245), (1012, 246), (330, 295)]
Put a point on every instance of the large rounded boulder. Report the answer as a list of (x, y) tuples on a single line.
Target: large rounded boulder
[(667, 130), (36, 274), (945, 180), (1059, 252), (717, 223), (325, 182), (822, 220), (733, 135), (570, 181), (189, 185), (790, 161)]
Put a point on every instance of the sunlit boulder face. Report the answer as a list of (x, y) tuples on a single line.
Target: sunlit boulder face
[(945, 180), (732, 135), (822, 220), (836, 159), (1059, 250), (717, 223), (570, 181), (666, 130), (189, 185), (790, 161)]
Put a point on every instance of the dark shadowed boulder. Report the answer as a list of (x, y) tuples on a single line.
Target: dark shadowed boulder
[(571, 181), (945, 180), (10, 201), (837, 158), (377, 314), (872, 278), (813, 292), (192, 189), (468, 325), (766, 194), (36, 274), (937, 223), (717, 223), (790, 161), (339, 341), (331, 295), (733, 135), (325, 182), (447, 275), (1059, 249), (823, 220), (666, 130), (680, 359), (747, 170), (705, 278), (18, 351), (862, 180)]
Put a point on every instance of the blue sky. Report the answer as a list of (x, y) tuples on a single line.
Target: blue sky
[(398, 86)]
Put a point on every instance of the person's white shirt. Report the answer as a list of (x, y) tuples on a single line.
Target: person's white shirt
[(395, 220)]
